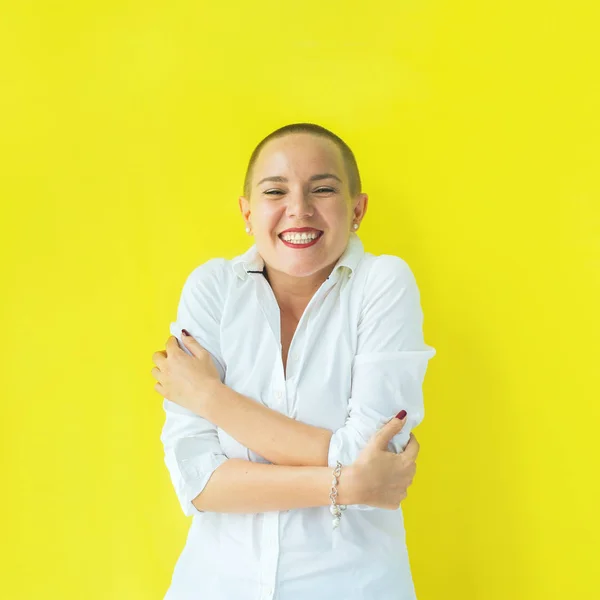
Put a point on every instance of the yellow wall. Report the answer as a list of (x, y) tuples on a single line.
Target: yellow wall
[(125, 129)]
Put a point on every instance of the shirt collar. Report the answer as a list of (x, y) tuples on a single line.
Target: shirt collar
[(252, 261)]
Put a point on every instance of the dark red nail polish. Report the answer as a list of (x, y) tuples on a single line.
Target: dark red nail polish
[(185, 332), (401, 415)]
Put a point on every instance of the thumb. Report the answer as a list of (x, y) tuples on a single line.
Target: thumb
[(190, 343), (384, 435)]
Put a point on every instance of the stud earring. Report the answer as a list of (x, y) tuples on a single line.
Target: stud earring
[(247, 229), (355, 225)]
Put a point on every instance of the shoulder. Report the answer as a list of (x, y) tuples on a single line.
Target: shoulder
[(390, 272), (208, 282), (212, 273)]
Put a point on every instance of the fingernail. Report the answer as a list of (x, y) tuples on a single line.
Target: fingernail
[(185, 332), (401, 415)]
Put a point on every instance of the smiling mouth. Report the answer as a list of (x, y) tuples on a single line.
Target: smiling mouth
[(301, 243)]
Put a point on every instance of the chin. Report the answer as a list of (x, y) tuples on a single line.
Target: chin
[(303, 272)]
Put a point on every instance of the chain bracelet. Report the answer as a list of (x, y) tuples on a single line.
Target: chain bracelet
[(336, 509)]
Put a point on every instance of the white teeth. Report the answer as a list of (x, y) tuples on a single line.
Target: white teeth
[(299, 238)]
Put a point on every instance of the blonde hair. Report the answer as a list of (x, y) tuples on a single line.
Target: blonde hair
[(354, 183)]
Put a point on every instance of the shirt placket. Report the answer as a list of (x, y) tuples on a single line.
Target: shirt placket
[(269, 555), (270, 527)]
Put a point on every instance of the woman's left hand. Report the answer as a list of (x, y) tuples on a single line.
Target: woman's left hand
[(184, 379)]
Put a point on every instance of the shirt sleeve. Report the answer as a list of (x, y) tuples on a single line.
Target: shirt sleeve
[(192, 451), (390, 362)]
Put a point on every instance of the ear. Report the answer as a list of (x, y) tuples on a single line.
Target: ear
[(360, 207), (244, 205)]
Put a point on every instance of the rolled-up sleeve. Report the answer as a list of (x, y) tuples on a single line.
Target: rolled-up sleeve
[(192, 451), (390, 362)]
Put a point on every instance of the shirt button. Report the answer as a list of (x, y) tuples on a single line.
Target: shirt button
[(278, 395), (295, 356), (268, 593)]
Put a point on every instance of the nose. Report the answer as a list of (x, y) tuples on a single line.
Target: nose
[(299, 205)]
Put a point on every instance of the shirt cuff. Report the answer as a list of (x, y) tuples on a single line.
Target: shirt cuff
[(195, 473)]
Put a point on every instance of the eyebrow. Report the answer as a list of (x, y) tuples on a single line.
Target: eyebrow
[(281, 179)]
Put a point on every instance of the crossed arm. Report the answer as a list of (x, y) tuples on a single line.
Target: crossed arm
[(388, 371), (205, 479), (275, 436), (299, 475)]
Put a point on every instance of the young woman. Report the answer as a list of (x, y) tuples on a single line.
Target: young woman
[(282, 378)]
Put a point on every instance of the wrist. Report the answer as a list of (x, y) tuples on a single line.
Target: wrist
[(348, 486), (205, 398)]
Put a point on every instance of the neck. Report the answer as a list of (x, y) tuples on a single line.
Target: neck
[(294, 293)]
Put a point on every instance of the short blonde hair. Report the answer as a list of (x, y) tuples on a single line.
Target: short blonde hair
[(354, 183)]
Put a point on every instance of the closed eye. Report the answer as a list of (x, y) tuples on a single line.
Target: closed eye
[(317, 191)]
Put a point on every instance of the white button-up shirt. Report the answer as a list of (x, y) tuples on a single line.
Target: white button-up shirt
[(356, 359)]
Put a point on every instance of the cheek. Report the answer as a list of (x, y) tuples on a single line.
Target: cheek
[(269, 217), (337, 214)]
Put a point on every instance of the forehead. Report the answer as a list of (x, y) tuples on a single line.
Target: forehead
[(299, 154)]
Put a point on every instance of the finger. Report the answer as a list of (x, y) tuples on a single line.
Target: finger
[(158, 357), (384, 435), (412, 448), (192, 344), (171, 345), (160, 389), (156, 373)]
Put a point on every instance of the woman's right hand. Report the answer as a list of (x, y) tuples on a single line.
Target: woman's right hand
[(382, 477)]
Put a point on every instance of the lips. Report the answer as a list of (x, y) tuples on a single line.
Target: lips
[(300, 230), (306, 244)]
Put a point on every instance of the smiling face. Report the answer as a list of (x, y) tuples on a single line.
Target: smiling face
[(300, 181)]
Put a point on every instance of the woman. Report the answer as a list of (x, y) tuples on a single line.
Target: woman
[(285, 369)]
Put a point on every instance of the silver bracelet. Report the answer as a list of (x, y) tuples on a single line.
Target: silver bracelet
[(336, 509)]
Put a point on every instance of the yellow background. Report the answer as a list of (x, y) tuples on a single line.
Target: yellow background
[(125, 130)]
